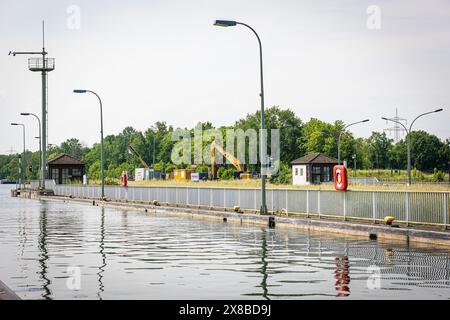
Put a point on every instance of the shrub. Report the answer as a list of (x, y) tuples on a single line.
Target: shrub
[(438, 176), (225, 174)]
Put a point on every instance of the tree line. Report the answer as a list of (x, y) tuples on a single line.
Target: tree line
[(297, 138)]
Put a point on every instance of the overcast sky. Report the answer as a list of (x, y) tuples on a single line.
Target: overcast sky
[(161, 60)]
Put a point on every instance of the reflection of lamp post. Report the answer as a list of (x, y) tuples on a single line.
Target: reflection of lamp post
[(339, 137), (101, 136), (263, 156), (408, 138), (41, 172), (22, 161)]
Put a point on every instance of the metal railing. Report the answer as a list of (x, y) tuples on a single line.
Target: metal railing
[(411, 207), (363, 181), (34, 184)]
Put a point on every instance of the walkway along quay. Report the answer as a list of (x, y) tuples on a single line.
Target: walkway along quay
[(421, 217)]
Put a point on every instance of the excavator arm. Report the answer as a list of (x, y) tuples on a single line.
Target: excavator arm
[(233, 160), (136, 154)]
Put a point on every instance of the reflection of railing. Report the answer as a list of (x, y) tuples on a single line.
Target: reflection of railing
[(407, 206), (38, 64), (424, 267)]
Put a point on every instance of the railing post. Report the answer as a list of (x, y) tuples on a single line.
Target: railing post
[(374, 207), (318, 202), (187, 196), (210, 197), (224, 199), (287, 202), (176, 195), (407, 208), (273, 203), (445, 209), (345, 205), (254, 199), (239, 197), (307, 203), (198, 196)]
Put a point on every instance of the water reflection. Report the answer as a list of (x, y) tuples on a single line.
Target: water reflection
[(43, 256), (264, 264), (144, 256), (101, 269), (342, 276)]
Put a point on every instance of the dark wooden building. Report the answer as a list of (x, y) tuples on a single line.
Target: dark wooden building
[(313, 168), (65, 169)]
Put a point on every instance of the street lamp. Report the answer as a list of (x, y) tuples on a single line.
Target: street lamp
[(230, 23), (22, 162), (408, 140), (41, 172), (101, 136), (342, 131), (43, 65), (354, 165)]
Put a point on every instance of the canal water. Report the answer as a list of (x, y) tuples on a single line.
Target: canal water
[(55, 250)]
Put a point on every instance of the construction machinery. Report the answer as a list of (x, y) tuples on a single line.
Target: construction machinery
[(233, 160), (136, 154)]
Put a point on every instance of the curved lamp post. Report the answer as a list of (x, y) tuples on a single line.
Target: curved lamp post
[(231, 23), (101, 135), (21, 180), (41, 172), (339, 138), (408, 140)]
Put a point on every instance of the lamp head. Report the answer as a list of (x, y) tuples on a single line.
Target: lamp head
[(79, 91), (384, 118), (24, 113), (14, 124), (366, 120), (224, 23), (438, 110)]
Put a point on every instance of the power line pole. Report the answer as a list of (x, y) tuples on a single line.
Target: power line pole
[(42, 65), (397, 128)]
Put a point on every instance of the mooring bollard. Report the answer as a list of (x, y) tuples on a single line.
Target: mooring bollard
[(271, 222)]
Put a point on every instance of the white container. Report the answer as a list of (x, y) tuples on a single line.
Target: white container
[(195, 176), (141, 174)]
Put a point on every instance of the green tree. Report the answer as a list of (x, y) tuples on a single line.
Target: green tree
[(426, 151), (379, 150), (73, 147), (286, 121)]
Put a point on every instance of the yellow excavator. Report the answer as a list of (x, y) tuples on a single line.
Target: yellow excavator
[(234, 161)]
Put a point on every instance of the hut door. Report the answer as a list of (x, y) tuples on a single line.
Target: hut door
[(316, 175), (65, 175)]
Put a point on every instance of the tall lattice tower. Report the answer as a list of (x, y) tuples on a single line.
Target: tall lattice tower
[(397, 130)]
